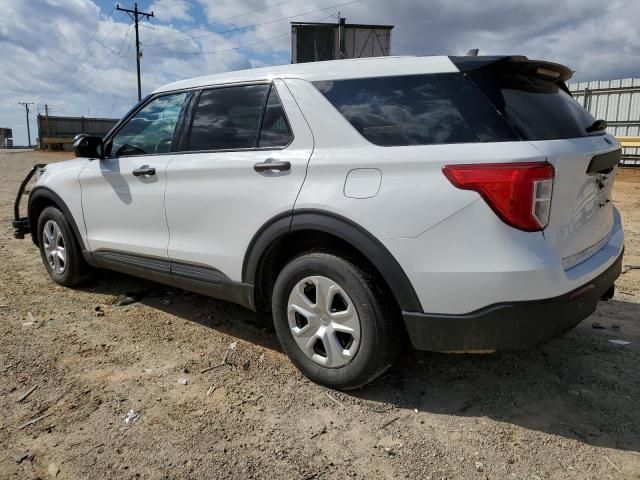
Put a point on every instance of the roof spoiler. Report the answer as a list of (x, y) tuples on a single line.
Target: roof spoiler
[(518, 64)]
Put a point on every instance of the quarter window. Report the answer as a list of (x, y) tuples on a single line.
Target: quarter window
[(275, 131), (150, 131), (228, 118), (402, 110)]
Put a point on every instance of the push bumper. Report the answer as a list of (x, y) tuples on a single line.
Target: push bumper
[(511, 325), (20, 224)]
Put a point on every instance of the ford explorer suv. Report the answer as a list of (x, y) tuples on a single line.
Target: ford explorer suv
[(459, 203)]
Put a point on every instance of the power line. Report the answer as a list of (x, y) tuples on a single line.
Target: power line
[(224, 20), (226, 49), (136, 14), (254, 25), (240, 47), (127, 58), (112, 70), (117, 55), (86, 45)]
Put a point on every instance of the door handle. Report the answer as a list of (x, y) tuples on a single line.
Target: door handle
[(269, 164), (145, 170)]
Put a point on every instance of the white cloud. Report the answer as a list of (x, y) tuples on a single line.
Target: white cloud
[(167, 10), (49, 55)]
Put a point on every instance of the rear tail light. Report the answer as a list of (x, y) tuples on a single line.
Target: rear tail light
[(519, 193)]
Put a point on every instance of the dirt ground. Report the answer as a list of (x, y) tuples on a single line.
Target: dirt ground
[(567, 409)]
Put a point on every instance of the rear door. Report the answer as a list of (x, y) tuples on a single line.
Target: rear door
[(242, 163), (533, 99)]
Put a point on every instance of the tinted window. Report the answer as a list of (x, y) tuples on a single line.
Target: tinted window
[(228, 118), (275, 130), (393, 111), (537, 108), (151, 129)]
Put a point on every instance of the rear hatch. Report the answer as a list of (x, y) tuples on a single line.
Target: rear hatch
[(533, 99)]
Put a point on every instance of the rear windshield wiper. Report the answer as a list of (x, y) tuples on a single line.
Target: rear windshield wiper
[(597, 126)]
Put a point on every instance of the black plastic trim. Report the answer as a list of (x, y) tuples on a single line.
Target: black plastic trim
[(152, 264), (510, 325), (21, 225), (341, 227), (604, 162), (51, 196), (273, 229), (189, 276)]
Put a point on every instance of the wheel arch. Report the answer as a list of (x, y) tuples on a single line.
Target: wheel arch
[(287, 235), (41, 198)]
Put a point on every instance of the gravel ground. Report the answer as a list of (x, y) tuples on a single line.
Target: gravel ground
[(567, 409)]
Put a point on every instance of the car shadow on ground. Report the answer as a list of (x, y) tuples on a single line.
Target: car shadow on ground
[(578, 386)]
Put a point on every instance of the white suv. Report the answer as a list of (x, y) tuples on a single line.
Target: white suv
[(460, 202)]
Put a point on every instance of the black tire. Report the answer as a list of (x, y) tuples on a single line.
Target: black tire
[(380, 332), (76, 269)]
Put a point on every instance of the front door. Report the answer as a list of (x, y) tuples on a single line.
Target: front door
[(123, 194), (245, 163)]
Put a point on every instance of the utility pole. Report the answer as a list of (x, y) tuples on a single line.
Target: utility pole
[(46, 123), (135, 15), (26, 107), (341, 40)]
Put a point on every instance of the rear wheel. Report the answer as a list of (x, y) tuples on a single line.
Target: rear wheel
[(59, 249), (332, 322)]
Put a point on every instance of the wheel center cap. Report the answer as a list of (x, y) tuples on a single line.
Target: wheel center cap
[(324, 320)]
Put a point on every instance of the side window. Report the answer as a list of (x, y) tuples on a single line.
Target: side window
[(403, 110), (275, 130), (151, 129), (228, 118)]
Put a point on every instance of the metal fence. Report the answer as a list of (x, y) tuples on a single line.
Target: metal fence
[(617, 102)]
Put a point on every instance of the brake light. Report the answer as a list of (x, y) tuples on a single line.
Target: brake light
[(519, 193)]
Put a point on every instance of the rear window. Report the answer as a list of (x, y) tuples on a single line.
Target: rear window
[(498, 102), (402, 110), (535, 107)]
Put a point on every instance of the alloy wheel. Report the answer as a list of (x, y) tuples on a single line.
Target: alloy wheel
[(54, 247)]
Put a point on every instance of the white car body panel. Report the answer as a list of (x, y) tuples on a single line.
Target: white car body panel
[(216, 202), (124, 212), (581, 213), (412, 179), (62, 178)]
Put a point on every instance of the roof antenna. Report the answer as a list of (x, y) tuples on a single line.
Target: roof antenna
[(472, 53)]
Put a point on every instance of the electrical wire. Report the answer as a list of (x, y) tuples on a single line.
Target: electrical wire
[(83, 49), (226, 49), (127, 58), (224, 20), (114, 54), (112, 71), (236, 29), (214, 52)]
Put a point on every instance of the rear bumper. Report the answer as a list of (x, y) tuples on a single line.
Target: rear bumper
[(510, 325)]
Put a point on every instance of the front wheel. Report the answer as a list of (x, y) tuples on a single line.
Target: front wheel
[(332, 322), (59, 249)]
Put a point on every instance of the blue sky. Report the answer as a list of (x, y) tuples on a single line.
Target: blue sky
[(78, 55)]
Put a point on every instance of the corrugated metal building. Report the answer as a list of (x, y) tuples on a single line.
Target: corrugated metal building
[(6, 138), (617, 102), (57, 132), (313, 42)]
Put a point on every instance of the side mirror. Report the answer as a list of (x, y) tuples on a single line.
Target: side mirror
[(86, 146)]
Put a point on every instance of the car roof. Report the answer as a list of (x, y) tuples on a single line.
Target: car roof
[(326, 70)]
